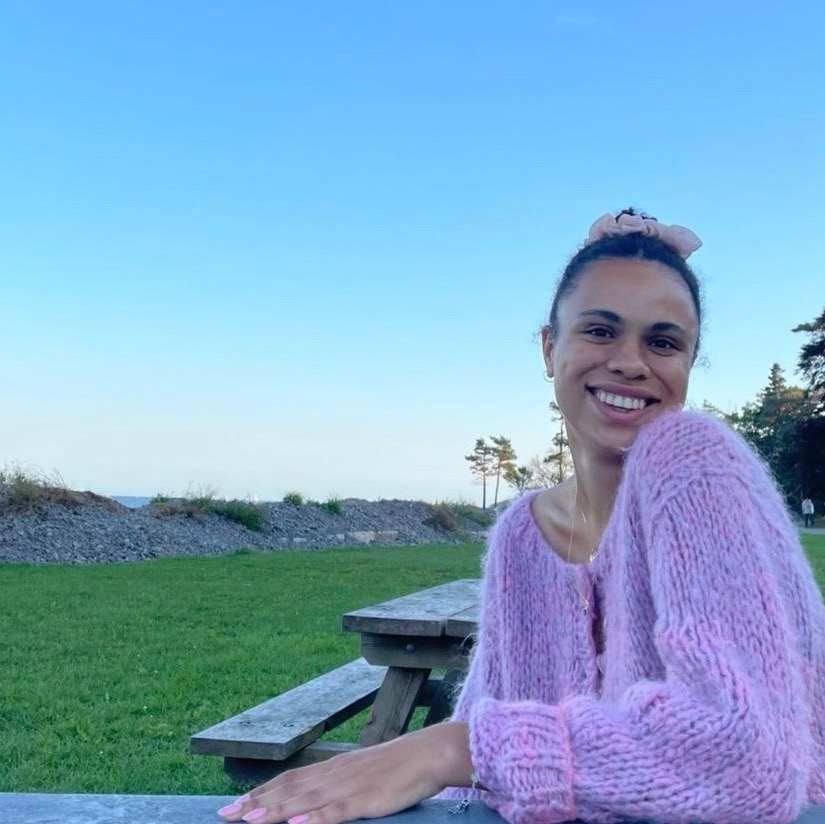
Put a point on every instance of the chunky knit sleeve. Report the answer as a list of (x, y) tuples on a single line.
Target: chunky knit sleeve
[(724, 736), (484, 676)]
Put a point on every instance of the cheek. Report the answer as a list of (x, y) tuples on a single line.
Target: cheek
[(680, 381)]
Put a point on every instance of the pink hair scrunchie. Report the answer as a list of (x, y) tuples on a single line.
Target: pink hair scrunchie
[(679, 238)]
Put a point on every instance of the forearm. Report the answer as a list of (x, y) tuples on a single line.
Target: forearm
[(448, 745)]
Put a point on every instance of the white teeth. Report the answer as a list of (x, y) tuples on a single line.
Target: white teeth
[(619, 400)]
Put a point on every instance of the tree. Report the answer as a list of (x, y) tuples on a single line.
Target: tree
[(543, 473), (812, 360), (812, 447), (504, 459), (519, 477), (773, 424), (559, 457), (713, 409), (481, 464), (812, 431)]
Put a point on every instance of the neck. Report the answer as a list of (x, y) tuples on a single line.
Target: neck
[(597, 480)]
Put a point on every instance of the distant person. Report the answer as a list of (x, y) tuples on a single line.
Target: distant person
[(651, 640), (808, 512)]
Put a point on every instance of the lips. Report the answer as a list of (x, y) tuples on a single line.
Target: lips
[(621, 401)]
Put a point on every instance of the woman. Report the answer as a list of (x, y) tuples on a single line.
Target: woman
[(641, 653)]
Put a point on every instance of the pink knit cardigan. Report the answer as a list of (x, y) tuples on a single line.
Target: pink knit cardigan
[(708, 702)]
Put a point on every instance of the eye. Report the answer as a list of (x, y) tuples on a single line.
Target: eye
[(603, 332), (664, 344)]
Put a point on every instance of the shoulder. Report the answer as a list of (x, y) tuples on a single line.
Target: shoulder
[(685, 443), (691, 462), (517, 517), (513, 537)]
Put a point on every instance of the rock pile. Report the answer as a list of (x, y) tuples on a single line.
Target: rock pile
[(93, 529)]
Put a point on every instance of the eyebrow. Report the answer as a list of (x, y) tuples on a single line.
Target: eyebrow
[(612, 317), (601, 313)]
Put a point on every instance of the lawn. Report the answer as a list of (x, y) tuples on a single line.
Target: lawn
[(107, 670)]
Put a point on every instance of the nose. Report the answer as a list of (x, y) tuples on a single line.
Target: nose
[(628, 358)]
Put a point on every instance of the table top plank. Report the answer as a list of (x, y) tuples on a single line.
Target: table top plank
[(465, 623), (53, 808), (424, 613)]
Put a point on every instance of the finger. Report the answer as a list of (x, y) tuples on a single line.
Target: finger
[(268, 795), (235, 810)]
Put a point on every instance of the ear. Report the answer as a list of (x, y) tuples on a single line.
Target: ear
[(547, 349)]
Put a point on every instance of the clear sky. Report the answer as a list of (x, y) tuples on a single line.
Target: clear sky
[(264, 246)]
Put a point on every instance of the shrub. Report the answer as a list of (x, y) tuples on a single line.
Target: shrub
[(165, 508), (25, 489), (442, 517), (243, 512), (331, 505), (249, 514), (294, 498), (469, 512)]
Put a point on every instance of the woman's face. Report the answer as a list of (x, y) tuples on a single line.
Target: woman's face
[(622, 350)]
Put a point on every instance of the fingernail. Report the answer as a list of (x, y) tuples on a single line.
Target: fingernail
[(255, 815), (243, 798), (298, 819), (231, 809)]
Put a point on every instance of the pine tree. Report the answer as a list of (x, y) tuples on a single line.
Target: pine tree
[(481, 464), (812, 360), (812, 431), (504, 459), (773, 424), (519, 477), (559, 459)]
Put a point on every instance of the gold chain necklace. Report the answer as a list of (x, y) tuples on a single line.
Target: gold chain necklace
[(593, 552)]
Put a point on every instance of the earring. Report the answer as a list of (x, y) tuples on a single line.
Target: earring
[(547, 377)]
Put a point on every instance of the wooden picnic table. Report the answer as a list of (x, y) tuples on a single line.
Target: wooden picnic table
[(402, 641), (66, 808), (48, 808), (411, 636)]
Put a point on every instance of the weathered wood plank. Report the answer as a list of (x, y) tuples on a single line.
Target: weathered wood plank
[(255, 771), (414, 651), (464, 624), (289, 722), (421, 613), (398, 697)]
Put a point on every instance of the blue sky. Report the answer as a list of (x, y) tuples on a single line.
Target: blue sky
[(267, 246)]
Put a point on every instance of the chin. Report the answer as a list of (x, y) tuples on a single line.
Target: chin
[(621, 442)]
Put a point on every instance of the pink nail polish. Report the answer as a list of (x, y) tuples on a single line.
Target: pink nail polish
[(230, 809), (298, 819), (255, 815), (243, 799)]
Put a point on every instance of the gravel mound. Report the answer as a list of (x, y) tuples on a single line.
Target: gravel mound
[(90, 529)]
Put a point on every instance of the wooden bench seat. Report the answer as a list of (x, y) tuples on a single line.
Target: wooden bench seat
[(282, 733)]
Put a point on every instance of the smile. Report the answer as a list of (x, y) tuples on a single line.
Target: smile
[(621, 401)]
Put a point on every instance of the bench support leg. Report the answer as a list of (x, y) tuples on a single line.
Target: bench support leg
[(442, 702), (397, 698)]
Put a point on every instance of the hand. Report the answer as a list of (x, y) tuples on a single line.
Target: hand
[(368, 783)]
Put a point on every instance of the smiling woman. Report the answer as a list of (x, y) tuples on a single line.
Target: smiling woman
[(652, 640), (617, 360)]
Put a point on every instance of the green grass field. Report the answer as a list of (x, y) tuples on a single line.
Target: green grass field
[(105, 671)]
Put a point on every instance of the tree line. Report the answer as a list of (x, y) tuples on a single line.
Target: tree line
[(784, 423)]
